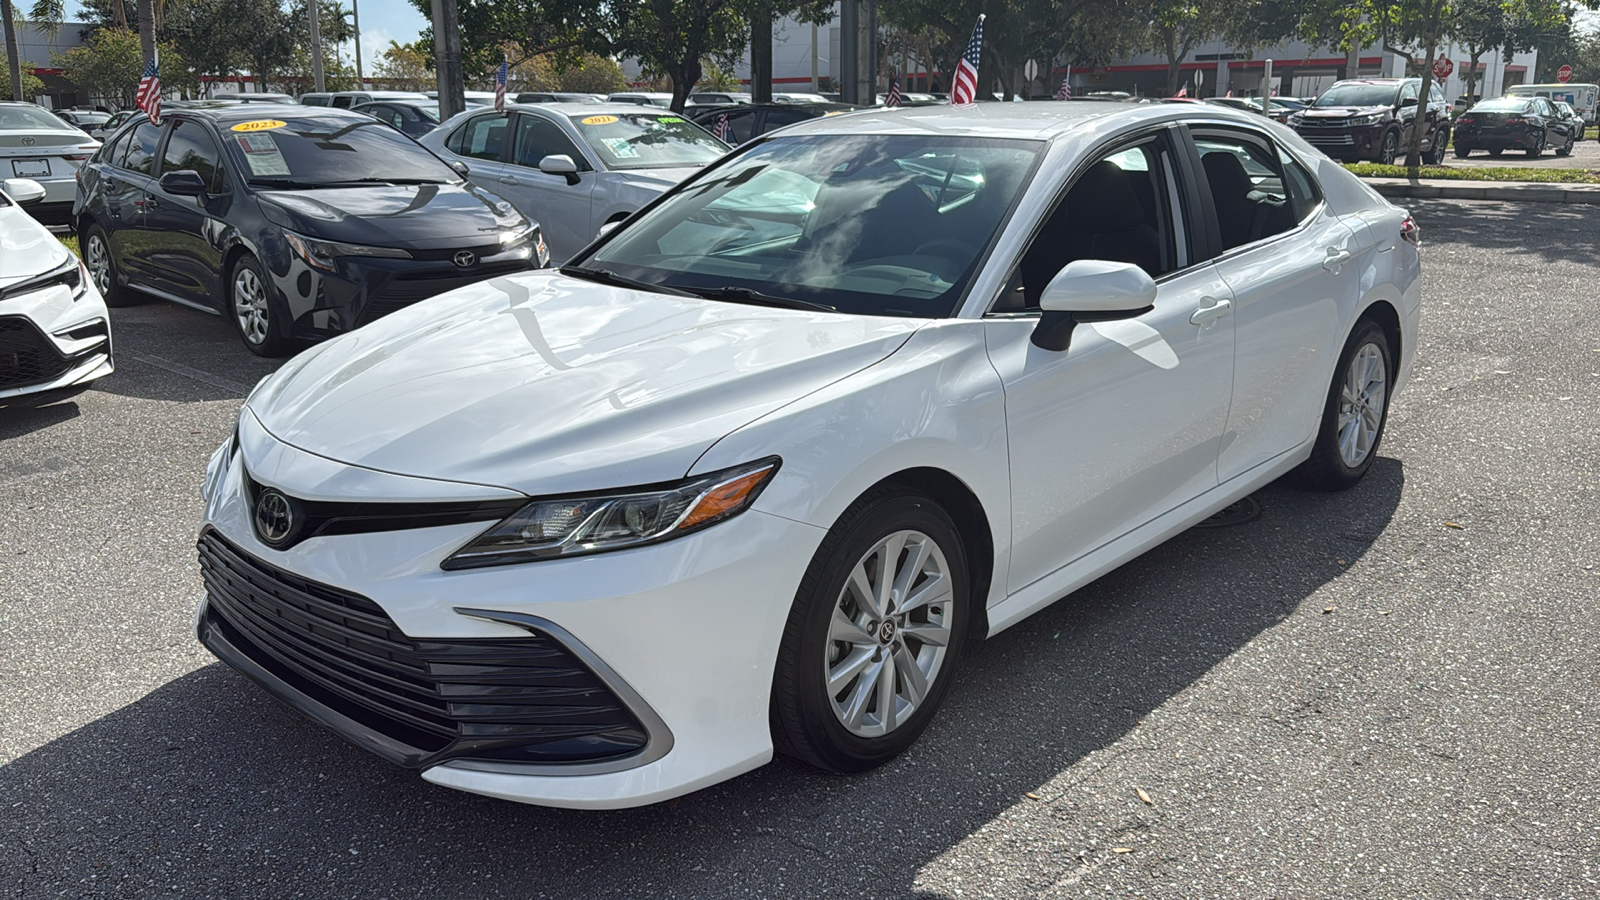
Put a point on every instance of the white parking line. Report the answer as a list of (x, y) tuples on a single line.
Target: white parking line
[(181, 369)]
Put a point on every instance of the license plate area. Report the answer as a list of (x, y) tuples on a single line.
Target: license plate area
[(30, 168)]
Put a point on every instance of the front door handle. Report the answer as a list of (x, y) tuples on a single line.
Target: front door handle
[(510, 179), (1205, 315), (1337, 256)]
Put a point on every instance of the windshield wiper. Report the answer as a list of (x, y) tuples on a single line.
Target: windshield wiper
[(605, 276), (394, 181), (746, 295), (284, 183)]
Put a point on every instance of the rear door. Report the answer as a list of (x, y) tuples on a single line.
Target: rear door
[(481, 142), (1292, 266), (189, 228)]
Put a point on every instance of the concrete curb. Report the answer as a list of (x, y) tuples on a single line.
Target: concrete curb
[(1404, 188)]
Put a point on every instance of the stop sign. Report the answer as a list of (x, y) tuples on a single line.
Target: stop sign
[(1442, 67), (1564, 74)]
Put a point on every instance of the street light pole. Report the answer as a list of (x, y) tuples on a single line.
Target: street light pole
[(447, 59), (315, 6), (355, 12)]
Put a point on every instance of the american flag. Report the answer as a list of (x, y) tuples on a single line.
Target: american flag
[(1230, 92), (966, 82), (1065, 91), (500, 85), (148, 97), (894, 93), (1182, 92), (721, 130)]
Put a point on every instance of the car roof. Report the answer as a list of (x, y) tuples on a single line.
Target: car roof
[(594, 109), (1035, 121), (821, 108), (227, 113)]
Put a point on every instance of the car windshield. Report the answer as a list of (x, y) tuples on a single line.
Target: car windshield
[(319, 152), (1357, 95), (867, 224), (1503, 104), (23, 118), (644, 140)]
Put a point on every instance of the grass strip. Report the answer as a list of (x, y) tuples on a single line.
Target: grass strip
[(1494, 173)]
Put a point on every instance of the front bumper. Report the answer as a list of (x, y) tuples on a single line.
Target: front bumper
[(1348, 142), (685, 633), (52, 345)]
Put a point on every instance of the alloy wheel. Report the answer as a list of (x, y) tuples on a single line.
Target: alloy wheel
[(889, 633), (250, 305), (1361, 404), (99, 263), (1391, 149)]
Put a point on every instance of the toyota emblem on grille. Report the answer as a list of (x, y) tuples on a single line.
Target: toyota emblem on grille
[(27, 142), (465, 258), (274, 517)]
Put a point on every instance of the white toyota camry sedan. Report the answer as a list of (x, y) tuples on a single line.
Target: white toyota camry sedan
[(750, 471)]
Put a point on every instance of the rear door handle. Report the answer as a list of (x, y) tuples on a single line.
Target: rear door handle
[(1205, 315), (1337, 256)]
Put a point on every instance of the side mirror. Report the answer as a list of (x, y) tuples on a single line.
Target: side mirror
[(608, 227), (183, 183), (560, 164), (24, 191), (1408, 101), (1091, 290), (460, 168)]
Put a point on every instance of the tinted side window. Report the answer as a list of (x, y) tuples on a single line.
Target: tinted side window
[(190, 147), (1409, 92), (741, 125), (141, 153), (777, 118), (342, 102), (479, 138), (539, 137), (1303, 191), (1247, 188), (111, 153)]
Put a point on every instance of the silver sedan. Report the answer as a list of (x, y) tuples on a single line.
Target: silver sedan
[(38, 145), (575, 167)]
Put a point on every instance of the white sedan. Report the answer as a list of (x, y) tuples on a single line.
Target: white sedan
[(55, 334), (748, 474), (575, 167)]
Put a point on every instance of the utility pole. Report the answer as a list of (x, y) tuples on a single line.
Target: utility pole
[(355, 11), (12, 50), (849, 24), (813, 57), (317, 82), (447, 59), (761, 56)]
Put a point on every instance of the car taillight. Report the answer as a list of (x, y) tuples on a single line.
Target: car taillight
[(1468, 120), (1514, 120), (1410, 232), (75, 157)]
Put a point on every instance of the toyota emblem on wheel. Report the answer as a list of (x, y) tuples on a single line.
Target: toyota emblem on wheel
[(274, 517), (465, 258)]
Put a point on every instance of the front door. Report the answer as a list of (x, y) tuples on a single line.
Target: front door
[(563, 206), (191, 227), (1126, 423), (127, 191)]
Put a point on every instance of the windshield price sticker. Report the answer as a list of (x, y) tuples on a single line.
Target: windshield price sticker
[(621, 148), (599, 120), (263, 155), (259, 125), (669, 119)]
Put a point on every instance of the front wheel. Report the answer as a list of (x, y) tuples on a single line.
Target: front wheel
[(1356, 410), (1461, 152), (1390, 148), (252, 310), (874, 635), (1441, 139)]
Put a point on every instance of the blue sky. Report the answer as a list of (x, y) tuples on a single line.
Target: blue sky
[(381, 22)]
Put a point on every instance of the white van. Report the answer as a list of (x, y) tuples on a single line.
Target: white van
[(1581, 97)]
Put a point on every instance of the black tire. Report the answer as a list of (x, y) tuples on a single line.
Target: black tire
[(102, 268), (1496, 152), (803, 718), (1537, 150), (1436, 149), (1567, 149), (1389, 148), (1327, 469), (254, 311), (1461, 152)]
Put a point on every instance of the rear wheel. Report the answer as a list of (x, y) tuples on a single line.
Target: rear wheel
[(252, 310), (874, 635), (103, 269), (1537, 149), (1390, 148), (1355, 413), (1461, 152)]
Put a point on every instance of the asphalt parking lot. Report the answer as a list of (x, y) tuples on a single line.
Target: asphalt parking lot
[(1385, 693)]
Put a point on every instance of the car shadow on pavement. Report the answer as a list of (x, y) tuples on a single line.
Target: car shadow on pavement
[(206, 787), (16, 421)]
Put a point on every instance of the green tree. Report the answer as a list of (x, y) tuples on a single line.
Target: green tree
[(589, 73), (406, 67), (31, 85), (110, 65)]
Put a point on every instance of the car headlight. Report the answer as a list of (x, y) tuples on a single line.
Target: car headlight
[(527, 244), (322, 254), (1366, 120), (595, 523), (217, 465), (1296, 118)]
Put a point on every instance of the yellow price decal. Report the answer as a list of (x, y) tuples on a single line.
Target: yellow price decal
[(599, 120), (260, 125)]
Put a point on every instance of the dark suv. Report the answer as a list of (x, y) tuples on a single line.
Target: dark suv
[(1372, 118)]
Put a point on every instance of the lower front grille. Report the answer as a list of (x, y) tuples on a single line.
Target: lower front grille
[(403, 290), (520, 700), (26, 356), (1329, 140)]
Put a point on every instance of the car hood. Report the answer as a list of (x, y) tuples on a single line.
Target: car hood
[(1341, 112), (419, 216), (27, 249), (547, 384)]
